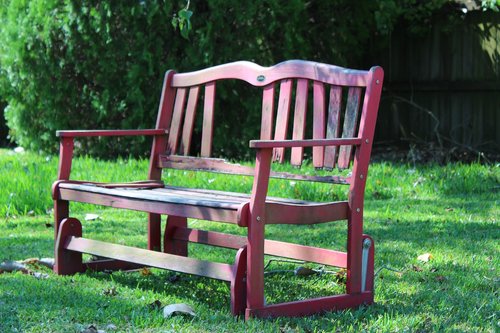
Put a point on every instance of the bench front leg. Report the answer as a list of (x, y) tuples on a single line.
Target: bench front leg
[(256, 232), (61, 207)]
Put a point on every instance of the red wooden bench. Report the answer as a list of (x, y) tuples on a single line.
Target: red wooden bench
[(344, 111)]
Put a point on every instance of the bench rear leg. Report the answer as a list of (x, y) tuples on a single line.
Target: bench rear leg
[(67, 262), (154, 232), (170, 244)]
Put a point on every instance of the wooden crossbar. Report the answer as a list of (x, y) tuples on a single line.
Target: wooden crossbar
[(271, 247), (135, 255), (220, 165)]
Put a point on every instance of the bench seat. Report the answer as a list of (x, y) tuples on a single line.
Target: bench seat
[(198, 203)]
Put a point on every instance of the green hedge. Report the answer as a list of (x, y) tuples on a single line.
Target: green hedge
[(70, 64)]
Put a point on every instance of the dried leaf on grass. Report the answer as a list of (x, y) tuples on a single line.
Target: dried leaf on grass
[(92, 329), (111, 327), (91, 217), (155, 305), (341, 276), (47, 262), (304, 271), (110, 292), (425, 257), (145, 271), (417, 268), (176, 309), (440, 278), (40, 276)]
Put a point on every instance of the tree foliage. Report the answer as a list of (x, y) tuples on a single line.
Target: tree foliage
[(72, 64)]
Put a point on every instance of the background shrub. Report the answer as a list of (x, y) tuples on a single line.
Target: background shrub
[(70, 64)]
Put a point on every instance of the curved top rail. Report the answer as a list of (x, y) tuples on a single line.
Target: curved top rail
[(261, 76)]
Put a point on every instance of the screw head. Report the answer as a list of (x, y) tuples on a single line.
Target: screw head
[(377, 81), (367, 243), (358, 210), (258, 218), (261, 78)]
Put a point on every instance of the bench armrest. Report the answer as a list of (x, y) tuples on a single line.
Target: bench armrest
[(305, 143), (88, 133), (67, 144)]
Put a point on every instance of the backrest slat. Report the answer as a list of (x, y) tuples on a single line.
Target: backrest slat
[(333, 125), (173, 137), (282, 117), (187, 130), (266, 128), (299, 120), (208, 120), (350, 122), (318, 122)]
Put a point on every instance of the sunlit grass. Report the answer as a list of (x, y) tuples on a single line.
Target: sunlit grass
[(450, 211)]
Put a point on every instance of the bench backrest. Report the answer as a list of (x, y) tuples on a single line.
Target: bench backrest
[(344, 105)]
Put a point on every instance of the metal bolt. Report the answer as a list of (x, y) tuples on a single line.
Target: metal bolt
[(361, 176), (358, 210), (377, 81), (367, 243), (258, 218), (261, 78), (367, 141)]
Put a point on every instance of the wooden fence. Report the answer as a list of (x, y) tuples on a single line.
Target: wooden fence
[(444, 86)]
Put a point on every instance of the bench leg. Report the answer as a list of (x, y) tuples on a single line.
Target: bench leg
[(171, 245), (67, 262), (154, 232), (255, 268), (354, 252), (61, 211), (238, 283)]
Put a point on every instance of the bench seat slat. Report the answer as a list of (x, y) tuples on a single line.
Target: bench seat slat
[(283, 213), (157, 196), (150, 206), (183, 195), (135, 255)]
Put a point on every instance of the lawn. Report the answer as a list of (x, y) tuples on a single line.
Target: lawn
[(450, 212)]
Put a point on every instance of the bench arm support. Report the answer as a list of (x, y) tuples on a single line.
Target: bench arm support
[(305, 143), (88, 133), (67, 144)]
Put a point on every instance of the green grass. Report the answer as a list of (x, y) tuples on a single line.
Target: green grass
[(450, 211)]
